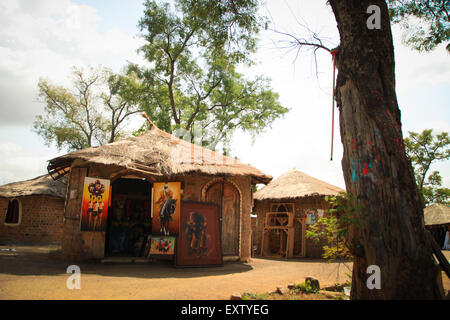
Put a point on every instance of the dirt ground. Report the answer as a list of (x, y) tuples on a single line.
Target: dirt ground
[(30, 272), (38, 273)]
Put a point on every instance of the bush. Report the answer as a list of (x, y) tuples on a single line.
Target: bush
[(304, 287), (335, 227)]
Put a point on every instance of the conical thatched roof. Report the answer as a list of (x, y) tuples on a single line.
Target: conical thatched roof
[(158, 153), (436, 214), (43, 185), (295, 184)]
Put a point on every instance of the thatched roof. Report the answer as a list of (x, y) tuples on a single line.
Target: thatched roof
[(436, 214), (43, 185), (295, 184), (158, 153)]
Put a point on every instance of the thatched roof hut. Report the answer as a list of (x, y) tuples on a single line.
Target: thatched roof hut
[(31, 211), (134, 168), (42, 185), (293, 185), (437, 214), (158, 153), (288, 204)]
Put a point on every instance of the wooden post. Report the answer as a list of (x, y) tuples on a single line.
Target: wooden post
[(290, 242)]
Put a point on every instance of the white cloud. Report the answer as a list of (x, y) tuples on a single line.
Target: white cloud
[(45, 39), (19, 163), (9, 148), (437, 126), (415, 70), (302, 139)]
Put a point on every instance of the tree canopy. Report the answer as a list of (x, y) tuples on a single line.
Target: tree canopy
[(424, 149), (194, 49), (432, 13), (90, 113)]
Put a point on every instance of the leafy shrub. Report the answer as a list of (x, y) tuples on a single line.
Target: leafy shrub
[(304, 287), (335, 227)]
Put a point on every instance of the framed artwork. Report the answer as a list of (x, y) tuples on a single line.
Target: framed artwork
[(162, 246), (199, 238), (95, 203), (166, 208)]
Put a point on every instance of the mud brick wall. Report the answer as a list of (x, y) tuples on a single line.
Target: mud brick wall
[(42, 221), (76, 247), (260, 208), (254, 222), (313, 250)]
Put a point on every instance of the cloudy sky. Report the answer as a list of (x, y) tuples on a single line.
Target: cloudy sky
[(45, 38)]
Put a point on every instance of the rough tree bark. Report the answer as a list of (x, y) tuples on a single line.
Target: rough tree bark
[(391, 232)]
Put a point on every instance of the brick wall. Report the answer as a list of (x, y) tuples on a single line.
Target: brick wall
[(75, 248), (42, 220), (254, 222)]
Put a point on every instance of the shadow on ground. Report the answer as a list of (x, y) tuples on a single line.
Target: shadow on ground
[(309, 260), (47, 261)]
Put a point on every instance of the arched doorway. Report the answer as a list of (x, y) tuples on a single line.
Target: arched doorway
[(227, 197)]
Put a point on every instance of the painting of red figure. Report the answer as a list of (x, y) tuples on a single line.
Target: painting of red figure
[(199, 238), (162, 246), (94, 209)]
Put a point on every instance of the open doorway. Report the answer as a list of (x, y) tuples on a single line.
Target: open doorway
[(129, 223)]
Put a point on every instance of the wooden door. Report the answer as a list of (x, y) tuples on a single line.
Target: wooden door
[(227, 197)]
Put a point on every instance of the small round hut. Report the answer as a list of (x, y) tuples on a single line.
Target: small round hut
[(284, 208), (31, 211)]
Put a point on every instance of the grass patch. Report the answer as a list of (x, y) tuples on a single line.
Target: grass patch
[(255, 296)]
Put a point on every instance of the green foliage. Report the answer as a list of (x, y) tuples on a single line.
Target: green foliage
[(335, 227), (304, 287), (349, 276), (192, 83), (423, 149), (433, 13), (91, 113)]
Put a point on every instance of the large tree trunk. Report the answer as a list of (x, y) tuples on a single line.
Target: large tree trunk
[(391, 232)]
